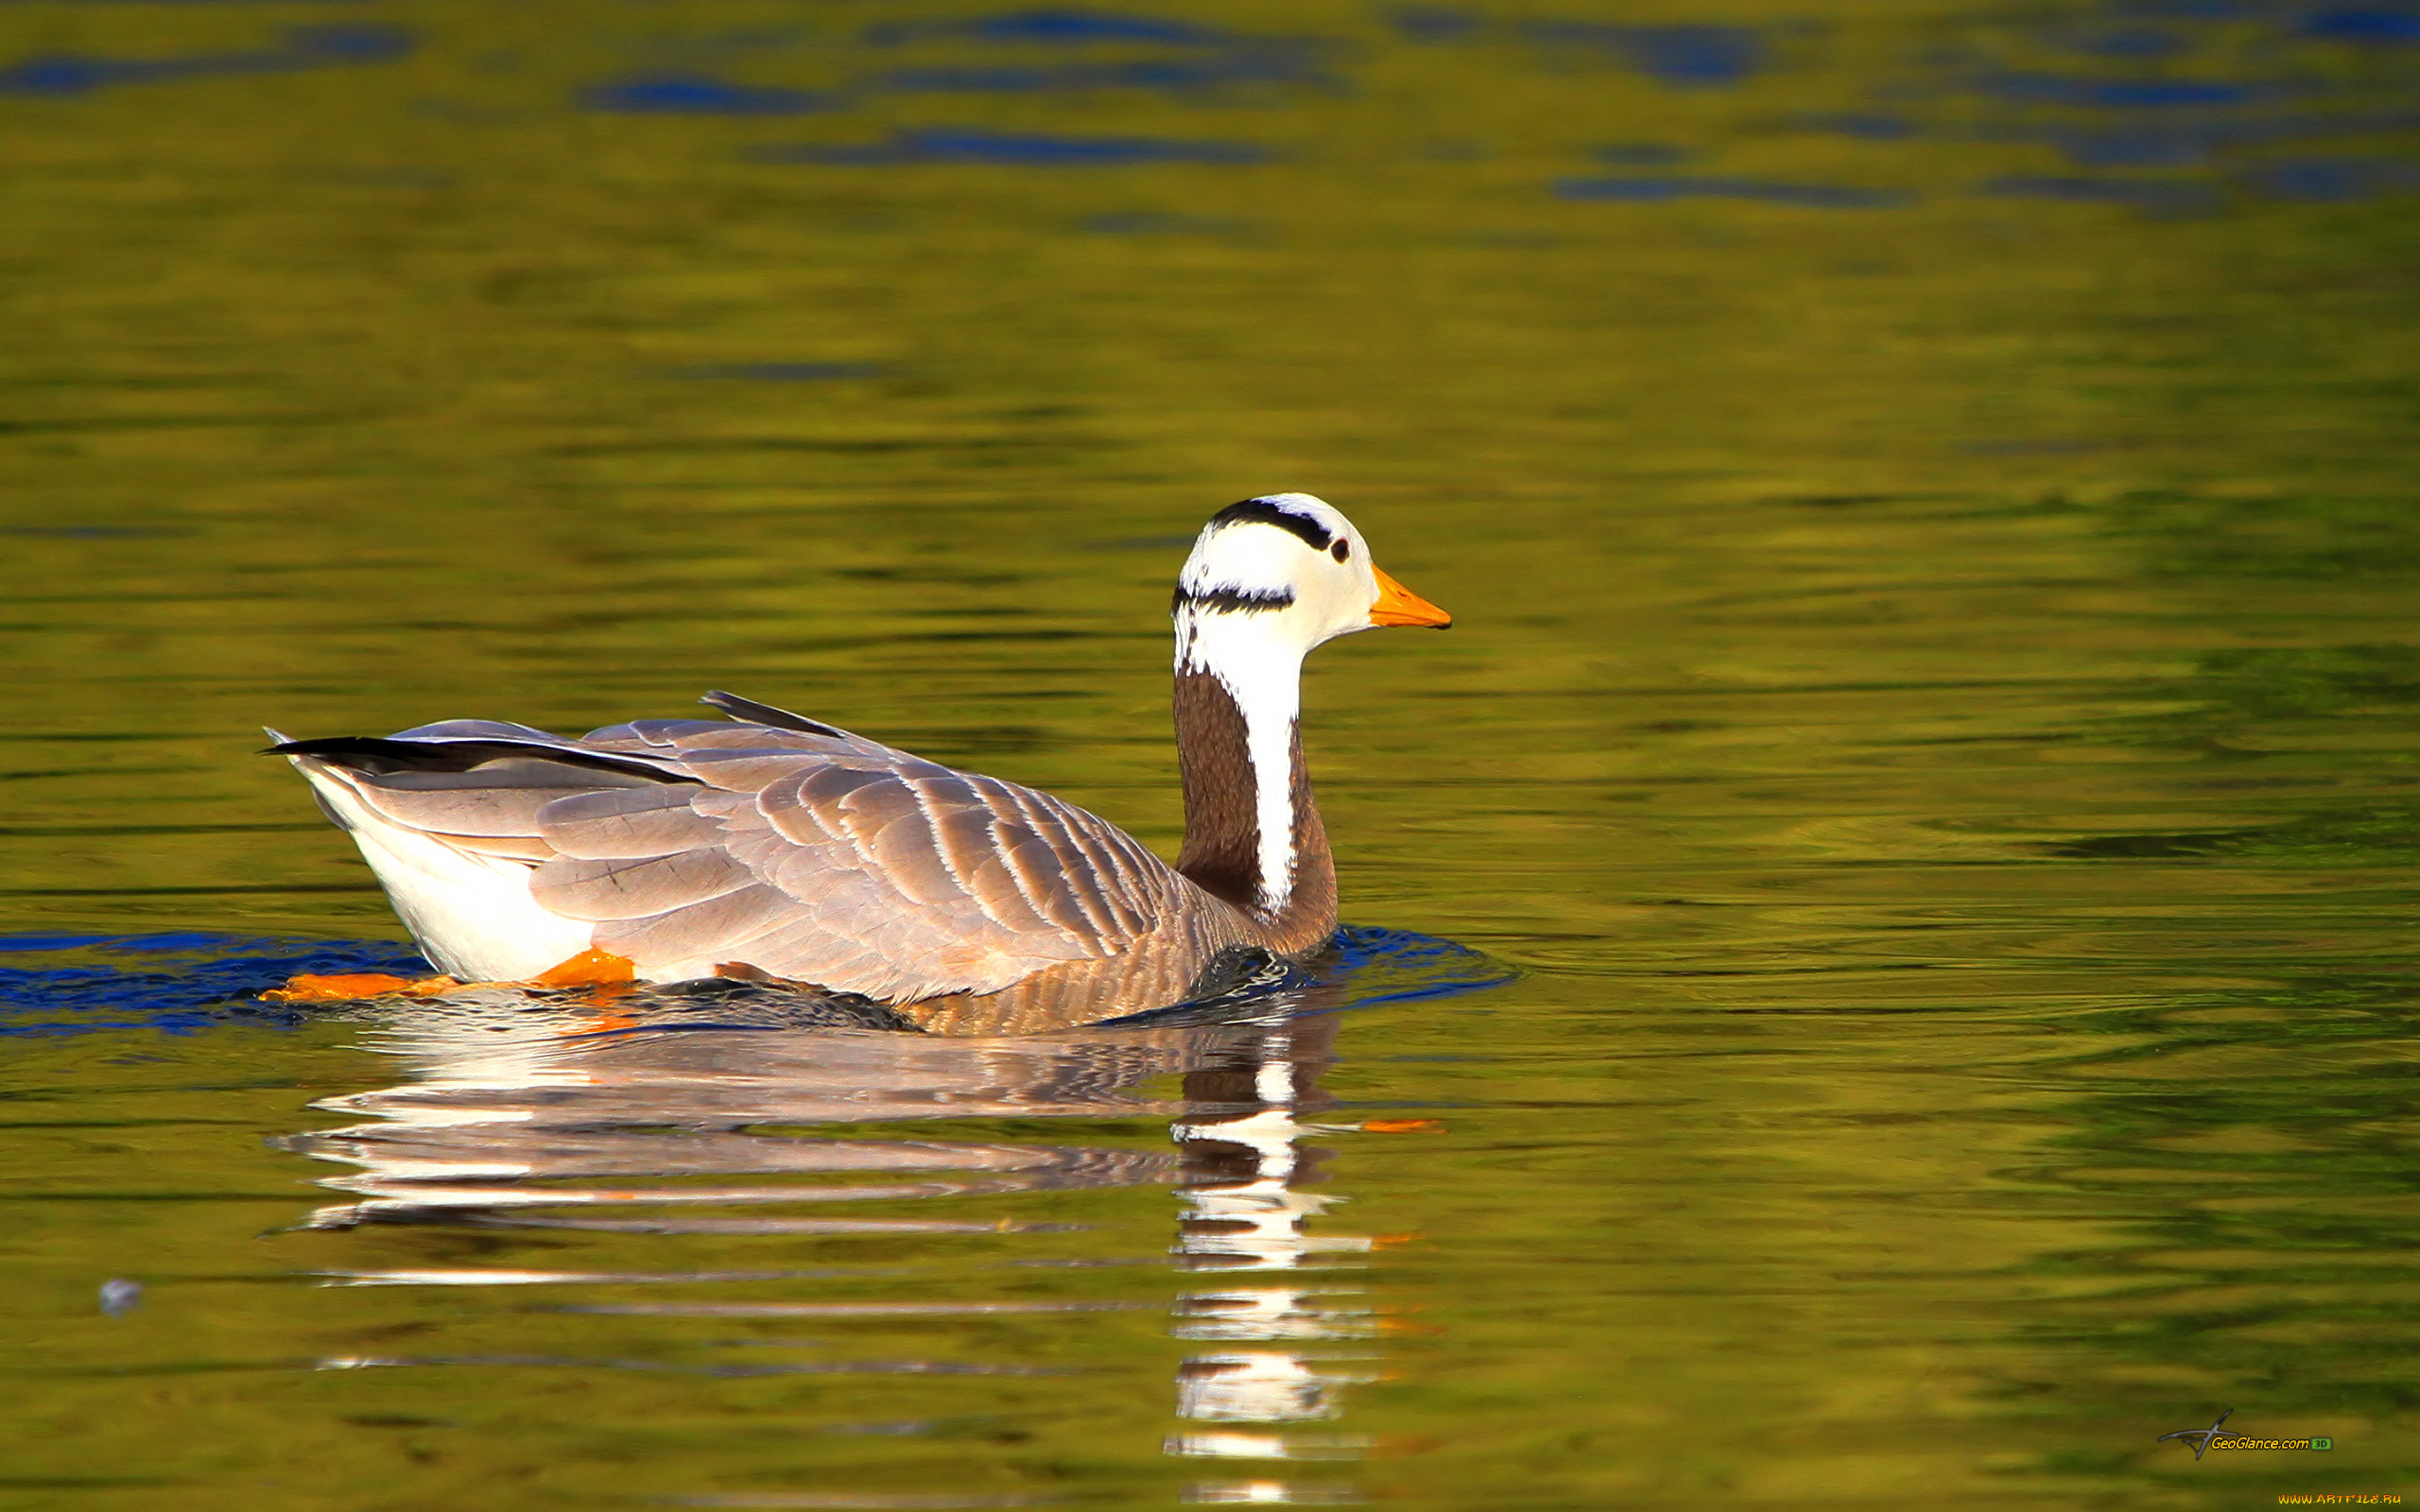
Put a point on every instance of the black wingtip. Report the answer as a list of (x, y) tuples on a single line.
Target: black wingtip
[(380, 757), (325, 746), (370, 749)]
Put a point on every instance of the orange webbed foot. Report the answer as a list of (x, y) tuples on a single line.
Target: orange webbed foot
[(346, 986), (601, 970), (590, 968)]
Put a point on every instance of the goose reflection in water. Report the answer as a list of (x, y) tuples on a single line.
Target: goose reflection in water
[(1248, 1180), (641, 1115)]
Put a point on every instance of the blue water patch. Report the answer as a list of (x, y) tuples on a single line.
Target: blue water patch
[(1662, 189), (1014, 149), (2365, 27), (2332, 180), (2189, 139), (2122, 94), (1432, 25), (1691, 55), (1205, 59), (1062, 27), (1685, 57), (1177, 76), (2144, 147), (685, 93), (2204, 11), (780, 373), (1871, 126), (66, 74), (174, 982), (2120, 126), (2175, 196)]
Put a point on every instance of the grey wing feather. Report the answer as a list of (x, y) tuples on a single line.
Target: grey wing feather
[(619, 822), (636, 887), (792, 846), (748, 711), (736, 919), (832, 859)]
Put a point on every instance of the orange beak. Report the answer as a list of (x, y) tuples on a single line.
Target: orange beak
[(1398, 605)]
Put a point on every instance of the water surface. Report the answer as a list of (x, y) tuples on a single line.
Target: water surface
[(1885, 954)]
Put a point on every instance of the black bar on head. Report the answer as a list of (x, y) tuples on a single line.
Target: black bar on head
[(1314, 534)]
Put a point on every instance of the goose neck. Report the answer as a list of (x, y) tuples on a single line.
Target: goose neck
[(1253, 834)]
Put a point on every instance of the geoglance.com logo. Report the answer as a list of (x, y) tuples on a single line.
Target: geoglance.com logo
[(2219, 1436)]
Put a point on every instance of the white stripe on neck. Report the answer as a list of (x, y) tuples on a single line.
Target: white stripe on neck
[(1258, 659)]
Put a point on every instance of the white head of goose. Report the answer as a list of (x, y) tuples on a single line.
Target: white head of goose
[(776, 846)]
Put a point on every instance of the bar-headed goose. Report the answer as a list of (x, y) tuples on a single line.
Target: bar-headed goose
[(778, 845)]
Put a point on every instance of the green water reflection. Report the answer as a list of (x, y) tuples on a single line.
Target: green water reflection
[(1927, 497)]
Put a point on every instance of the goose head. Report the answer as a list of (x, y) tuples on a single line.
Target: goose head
[(1269, 579), (1272, 577)]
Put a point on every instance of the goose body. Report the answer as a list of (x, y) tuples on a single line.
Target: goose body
[(770, 843)]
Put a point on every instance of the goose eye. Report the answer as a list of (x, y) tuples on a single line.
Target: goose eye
[(1340, 550)]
